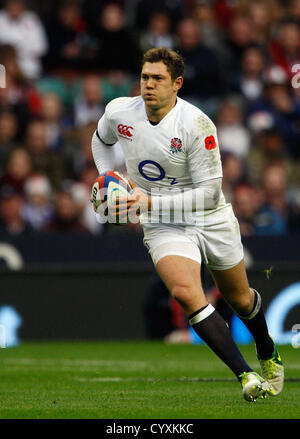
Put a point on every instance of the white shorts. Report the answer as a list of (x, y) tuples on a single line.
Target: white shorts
[(218, 244)]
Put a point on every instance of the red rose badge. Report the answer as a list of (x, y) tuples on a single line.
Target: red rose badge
[(210, 142), (176, 145)]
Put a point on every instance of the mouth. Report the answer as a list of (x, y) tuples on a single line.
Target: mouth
[(149, 95)]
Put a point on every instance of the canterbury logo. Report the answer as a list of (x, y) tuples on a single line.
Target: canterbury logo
[(124, 130)]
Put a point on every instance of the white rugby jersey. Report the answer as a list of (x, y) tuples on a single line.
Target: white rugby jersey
[(179, 152)]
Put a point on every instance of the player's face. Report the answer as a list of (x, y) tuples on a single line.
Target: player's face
[(157, 87)]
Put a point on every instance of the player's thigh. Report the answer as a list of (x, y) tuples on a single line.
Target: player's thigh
[(182, 277), (177, 258), (221, 240), (233, 285)]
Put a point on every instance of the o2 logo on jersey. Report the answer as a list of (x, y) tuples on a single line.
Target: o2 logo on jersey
[(125, 131), (161, 172)]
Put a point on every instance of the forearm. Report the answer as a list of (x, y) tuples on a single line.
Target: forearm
[(103, 155), (205, 196)]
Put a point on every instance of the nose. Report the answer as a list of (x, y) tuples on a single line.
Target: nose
[(150, 83)]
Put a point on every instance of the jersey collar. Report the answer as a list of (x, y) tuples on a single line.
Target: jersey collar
[(173, 110)]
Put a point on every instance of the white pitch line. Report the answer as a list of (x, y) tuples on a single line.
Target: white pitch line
[(148, 379), (115, 364), (74, 363), (160, 379), (111, 364)]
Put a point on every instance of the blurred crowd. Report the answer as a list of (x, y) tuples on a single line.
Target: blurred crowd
[(65, 60)]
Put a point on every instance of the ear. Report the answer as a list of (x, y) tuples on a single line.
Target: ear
[(178, 83)]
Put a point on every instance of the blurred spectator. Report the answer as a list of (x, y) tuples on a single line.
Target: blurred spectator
[(233, 174), (8, 133), (88, 106), (204, 13), (145, 9), (17, 169), (259, 120), (71, 46), (238, 37), (281, 107), (285, 47), (273, 216), (66, 215), (92, 8), (118, 49), (11, 204), (52, 116), (269, 149), (44, 9), (262, 15), (44, 160), (37, 209), (232, 134), (245, 203), (9, 59), (248, 80), (19, 96), (80, 156), (158, 33), (224, 12), (202, 80), (24, 31), (293, 10), (116, 83)]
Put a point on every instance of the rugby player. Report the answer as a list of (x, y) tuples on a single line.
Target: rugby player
[(173, 160)]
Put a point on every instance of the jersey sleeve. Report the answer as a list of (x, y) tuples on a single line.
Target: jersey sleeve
[(105, 131), (203, 153)]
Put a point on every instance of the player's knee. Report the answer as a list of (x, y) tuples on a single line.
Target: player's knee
[(242, 303), (184, 294)]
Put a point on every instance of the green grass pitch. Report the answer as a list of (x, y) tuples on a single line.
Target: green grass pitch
[(134, 380)]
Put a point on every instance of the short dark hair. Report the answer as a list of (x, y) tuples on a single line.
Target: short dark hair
[(173, 61)]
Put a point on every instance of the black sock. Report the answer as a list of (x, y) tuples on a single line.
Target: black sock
[(212, 328), (257, 325)]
